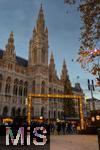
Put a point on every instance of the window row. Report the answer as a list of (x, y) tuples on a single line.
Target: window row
[(14, 112)]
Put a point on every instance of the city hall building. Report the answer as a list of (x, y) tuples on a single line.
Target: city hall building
[(19, 76)]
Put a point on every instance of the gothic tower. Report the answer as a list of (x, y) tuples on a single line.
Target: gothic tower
[(52, 71), (9, 54), (38, 47), (38, 62), (64, 75)]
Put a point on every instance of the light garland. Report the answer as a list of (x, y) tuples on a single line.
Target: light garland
[(91, 53), (87, 56), (87, 59)]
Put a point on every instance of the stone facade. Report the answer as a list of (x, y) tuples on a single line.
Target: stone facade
[(89, 104), (19, 77)]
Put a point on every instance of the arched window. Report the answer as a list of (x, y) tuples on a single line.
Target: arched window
[(5, 111), (1, 78), (0, 86), (20, 91), (43, 56), (62, 115), (20, 88), (33, 87), (55, 91), (42, 111), (15, 88), (32, 110), (18, 112), (43, 87), (50, 91), (24, 112), (7, 89), (58, 115), (54, 114), (35, 56), (25, 89), (49, 114), (8, 85), (13, 112)]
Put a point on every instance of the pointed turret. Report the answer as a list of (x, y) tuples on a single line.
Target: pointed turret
[(10, 48), (46, 31), (64, 75), (52, 71), (52, 58), (52, 64), (40, 20), (64, 71), (10, 45), (34, 31)]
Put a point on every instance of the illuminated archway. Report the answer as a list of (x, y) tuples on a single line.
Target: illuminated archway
[(45, 96)]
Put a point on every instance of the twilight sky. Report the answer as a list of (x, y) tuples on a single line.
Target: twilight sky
[(63, 24)]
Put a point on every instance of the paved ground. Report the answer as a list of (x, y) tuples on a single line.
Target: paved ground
[(62, 142), (74, 142)]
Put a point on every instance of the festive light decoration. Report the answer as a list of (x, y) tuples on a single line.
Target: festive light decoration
[(62, 96), (88, 56), (93, 53), (89, 60)]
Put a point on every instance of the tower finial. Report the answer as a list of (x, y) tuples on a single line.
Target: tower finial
[(52, 58), (64, 63), (10, 48), (10, 44), (41, 7), (41, 20)]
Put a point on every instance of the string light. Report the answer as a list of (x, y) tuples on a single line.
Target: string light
[(88, 58), (55, 96)]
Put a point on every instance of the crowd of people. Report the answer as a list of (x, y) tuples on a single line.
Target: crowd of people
[(54, 127), (62, 128)]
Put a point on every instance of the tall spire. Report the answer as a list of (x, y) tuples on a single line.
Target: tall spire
[(10, 45), (52, 71), (52, 61), (40, 20), (64, 67), (64, 63), (52, 58), (38, 46), (64, 74), (10, 48)]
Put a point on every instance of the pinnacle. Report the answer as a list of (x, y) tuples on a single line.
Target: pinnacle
[(41, 8), (11, 34), (52, 55), (64, 62), (46, 29)]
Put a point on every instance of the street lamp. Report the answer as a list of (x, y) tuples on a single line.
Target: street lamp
[(41, 117), (97, 117), (26, 101), (91, 88), (58, 120), (93, 119)]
